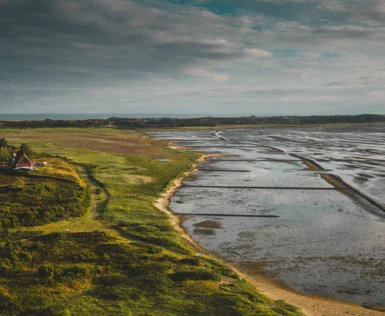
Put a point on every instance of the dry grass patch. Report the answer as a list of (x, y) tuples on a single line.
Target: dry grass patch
[(135, 179), (59, 168)]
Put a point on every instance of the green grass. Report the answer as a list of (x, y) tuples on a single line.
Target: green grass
[(139, 264), (88, 273)]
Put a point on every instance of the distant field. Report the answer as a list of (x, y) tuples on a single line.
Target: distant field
[(137, 263), (262, 126)]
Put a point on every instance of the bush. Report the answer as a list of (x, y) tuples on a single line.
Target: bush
[(76, 270), (46, 272), (5, 268), (6, 304), (112, 279), (203, 275), (108, 292), (41, 201), (190, 261)]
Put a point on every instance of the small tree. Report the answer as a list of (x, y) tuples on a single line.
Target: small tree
[(5, 154), (3, 143), (25, 149)]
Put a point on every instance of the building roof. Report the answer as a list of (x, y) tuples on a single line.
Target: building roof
[(18, 156), (25, 160)]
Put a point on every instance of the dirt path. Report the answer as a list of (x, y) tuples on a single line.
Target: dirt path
[(311, 305), (87, 177), (98, 207)]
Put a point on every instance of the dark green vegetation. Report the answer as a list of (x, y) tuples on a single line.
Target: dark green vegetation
[(94, 274), (37, 201), (5, 151), (41, 197), (191, 122), (127, 259)]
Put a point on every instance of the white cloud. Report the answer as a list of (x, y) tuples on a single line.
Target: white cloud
[(311, 55), (302, 73), (206, 73), (257, 53)]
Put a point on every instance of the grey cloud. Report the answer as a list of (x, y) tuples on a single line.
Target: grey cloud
[(89, 54), (293, 33), (355, 10), (333, 84), (314, 12), (122, 37)]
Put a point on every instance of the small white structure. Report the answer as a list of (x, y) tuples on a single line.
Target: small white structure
[(40, 164), (25, 168)]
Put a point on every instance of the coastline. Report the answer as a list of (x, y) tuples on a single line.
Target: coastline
[(163, 203), (310, 305)]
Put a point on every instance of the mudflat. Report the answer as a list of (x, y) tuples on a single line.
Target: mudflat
[(326, 239)]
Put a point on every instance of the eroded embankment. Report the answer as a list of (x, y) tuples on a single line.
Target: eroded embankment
[(164, 201), (337, 182)]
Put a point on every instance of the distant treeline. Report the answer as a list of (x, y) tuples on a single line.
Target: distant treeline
[(135, 123)]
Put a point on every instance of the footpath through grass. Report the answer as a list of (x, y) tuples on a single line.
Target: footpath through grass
[(128, 260)]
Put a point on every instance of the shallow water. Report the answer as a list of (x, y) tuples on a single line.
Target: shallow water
[(260, 174), (321, 241)]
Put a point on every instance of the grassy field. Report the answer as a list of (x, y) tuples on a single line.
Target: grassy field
[(127, 259)]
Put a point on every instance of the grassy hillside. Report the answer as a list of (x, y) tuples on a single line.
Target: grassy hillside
[(127, 259), (53, 193)]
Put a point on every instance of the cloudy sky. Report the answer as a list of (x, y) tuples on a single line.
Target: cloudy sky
[(223, 57)]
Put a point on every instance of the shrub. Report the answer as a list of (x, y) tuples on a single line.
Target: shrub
[(107, 292), (203, 275), (6, 304), (5, 267), (46, 271), (112, 279), (190, 261)]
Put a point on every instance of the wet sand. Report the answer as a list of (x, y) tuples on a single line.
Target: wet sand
[(311, 305)]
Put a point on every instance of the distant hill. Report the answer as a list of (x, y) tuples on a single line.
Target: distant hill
[(135, 123)]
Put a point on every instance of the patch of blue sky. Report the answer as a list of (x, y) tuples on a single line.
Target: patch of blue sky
[(291, 11), (223, 7), (285, 53), (220, 7), (331, 55)]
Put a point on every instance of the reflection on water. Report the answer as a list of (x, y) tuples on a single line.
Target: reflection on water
[(322, 241)]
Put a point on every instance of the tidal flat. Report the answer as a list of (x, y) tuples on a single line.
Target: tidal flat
[(314, 237)]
